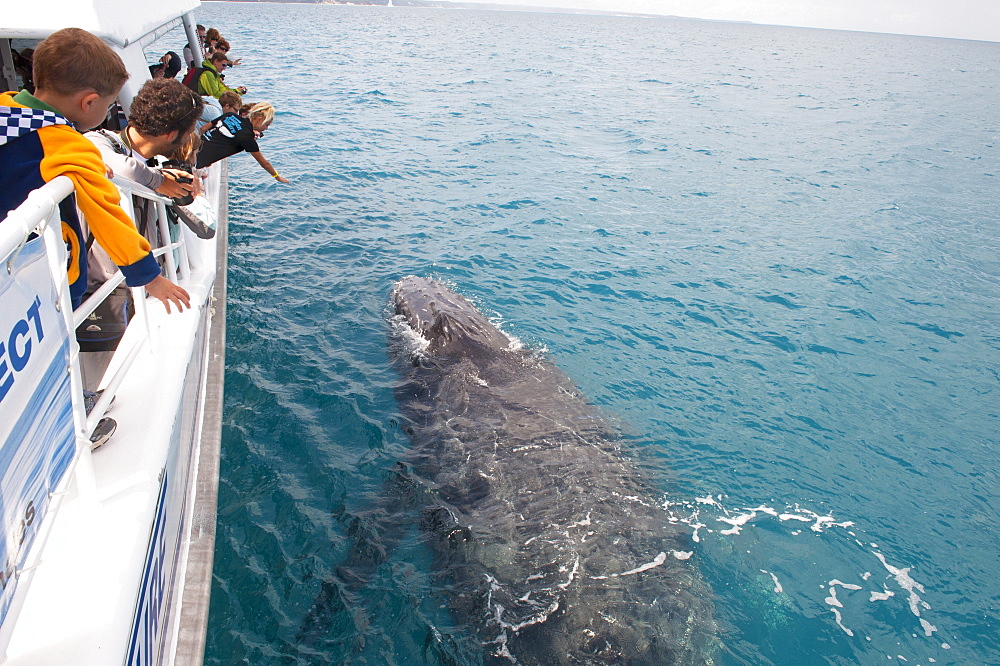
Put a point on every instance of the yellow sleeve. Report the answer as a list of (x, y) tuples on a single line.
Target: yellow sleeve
[(68, 153)]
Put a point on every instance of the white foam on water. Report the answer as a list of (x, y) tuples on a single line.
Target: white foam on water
[(414, 344), (572, 574), (691, 513), (905, 581), (580, 523), (840, 623), (737, 523), (657, 561), (709, 500), (846, 586), (832, 600), (514, 343), (777, 584)]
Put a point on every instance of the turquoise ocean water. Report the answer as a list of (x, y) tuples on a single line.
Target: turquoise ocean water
[(768, 254)]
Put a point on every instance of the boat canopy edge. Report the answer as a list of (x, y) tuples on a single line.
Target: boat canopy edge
[(120, 22)]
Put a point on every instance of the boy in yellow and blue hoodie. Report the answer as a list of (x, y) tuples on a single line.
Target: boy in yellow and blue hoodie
[(77, 77)]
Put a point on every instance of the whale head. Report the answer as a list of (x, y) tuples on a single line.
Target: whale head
[(450, 324)]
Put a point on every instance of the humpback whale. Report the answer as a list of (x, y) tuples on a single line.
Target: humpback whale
[(551, 545)]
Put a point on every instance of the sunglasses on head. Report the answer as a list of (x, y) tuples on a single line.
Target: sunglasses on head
[(194, 108)]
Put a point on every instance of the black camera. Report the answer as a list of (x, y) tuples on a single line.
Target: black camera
[(187, 199)]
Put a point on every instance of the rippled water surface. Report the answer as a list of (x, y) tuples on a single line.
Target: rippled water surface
[(769, 255)]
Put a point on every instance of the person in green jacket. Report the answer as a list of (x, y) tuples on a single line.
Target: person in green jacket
[(210, 82)]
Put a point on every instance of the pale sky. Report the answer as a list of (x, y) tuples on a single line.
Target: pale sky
[(963, 19)]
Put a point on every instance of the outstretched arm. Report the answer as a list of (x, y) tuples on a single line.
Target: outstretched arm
[(261, 160)]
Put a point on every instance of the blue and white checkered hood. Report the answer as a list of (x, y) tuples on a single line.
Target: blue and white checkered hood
[(15, 121)]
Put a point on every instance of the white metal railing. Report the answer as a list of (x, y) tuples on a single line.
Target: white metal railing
[(39, 215)]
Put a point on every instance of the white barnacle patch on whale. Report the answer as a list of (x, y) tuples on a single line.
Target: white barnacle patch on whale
[(476, 379)]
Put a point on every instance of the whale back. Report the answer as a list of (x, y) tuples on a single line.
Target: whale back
[(544, 533)]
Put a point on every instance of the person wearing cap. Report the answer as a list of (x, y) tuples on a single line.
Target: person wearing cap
[(167, 67), (210, 82)]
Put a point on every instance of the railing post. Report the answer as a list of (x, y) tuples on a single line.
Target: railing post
[(193, 41), (55, 251), (161, 221), (185, 264)]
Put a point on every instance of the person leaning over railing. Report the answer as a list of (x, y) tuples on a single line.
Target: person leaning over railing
[(231, 133), (210, 86), (210, 82), (77, 77), (162, 119), (228, 102), (212, 37), (222, 46)]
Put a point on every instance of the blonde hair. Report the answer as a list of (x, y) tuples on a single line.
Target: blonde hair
[(187, 152), (263, 109), (73, 60)]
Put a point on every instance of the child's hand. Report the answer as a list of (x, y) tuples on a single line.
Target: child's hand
[(168, 292)]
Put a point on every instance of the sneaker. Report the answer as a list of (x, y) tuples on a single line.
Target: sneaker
[(90, 399), (102, 433)]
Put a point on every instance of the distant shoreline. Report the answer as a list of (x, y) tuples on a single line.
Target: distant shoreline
[(489, 6)]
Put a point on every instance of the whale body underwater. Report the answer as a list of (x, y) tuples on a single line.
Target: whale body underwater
[(552, 546)]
